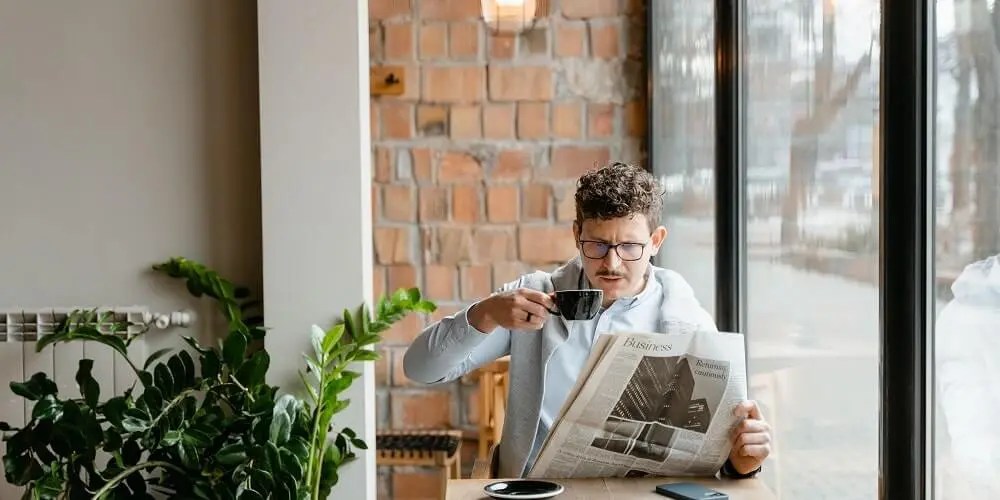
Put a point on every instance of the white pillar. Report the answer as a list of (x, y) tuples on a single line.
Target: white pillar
[(316, 192)]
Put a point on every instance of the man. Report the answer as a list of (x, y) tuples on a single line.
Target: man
[(617, 231)]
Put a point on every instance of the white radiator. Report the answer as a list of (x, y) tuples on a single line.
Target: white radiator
[(19, 331)]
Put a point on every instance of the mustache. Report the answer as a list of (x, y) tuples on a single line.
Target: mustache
[(610, 274)]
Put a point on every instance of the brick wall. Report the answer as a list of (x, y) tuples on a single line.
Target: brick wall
[(475, 166)]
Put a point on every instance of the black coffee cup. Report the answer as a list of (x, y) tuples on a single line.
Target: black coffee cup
[(578, 305)]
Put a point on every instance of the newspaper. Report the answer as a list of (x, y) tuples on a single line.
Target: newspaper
[(657, 404)]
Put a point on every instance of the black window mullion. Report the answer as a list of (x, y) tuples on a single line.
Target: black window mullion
[(905, 255), (730, 239)]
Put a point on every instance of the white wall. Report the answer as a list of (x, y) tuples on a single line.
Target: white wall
[(316, 191), (128, 134)]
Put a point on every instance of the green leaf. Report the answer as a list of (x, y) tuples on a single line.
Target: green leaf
[(35, 388), (249, 494), (153, 398), (132, 424), (211, 365), (171, 438), (163, 380), (179, 373), (358, 443), (366, 355), (47, 408), (189, 371), (234, 350), (114, 410), (89, 388), (231, 454), (285, 411), (332, 337), (252, 373), (155, 356), (83, 332), (316, 337)]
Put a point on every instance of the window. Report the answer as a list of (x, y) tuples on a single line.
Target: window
[(967, 244), (683, 137), (810, 71)]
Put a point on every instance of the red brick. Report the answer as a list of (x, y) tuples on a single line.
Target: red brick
[(477, 282), (422, 164), (385, 9), (570, 162), (397, 119), (520, 83), (465, 203), (383, 164), (507, 272), (398, 378), (403, 331), (466, 122), (450, 10), (567, 120), (433, 41), (392, 245), (546, 244), (570, 40), (424, 409), (375, 42), (378, 281), (454, 245), (532, 120), (397, 201), (536, 201), (424, 484), (464, 40), (432, 120), (582, 9), (498, 121), (398, 41), (374, 121), (453, 84), (502, 203), (534, 42), (433, 205), (402, 276), (605, 41), (565, 203), (382, 368), (511, 165), (635, 119), (459, 167), (501, 47), (493, 245), (439, 282), (600, 120)]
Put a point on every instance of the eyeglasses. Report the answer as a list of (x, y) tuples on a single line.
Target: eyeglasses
[(599, 250)]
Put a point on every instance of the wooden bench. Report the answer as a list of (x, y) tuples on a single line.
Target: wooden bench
[(421, 448), (493, 384)]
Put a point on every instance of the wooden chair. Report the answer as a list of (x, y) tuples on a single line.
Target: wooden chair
[(493, 384), (422, 448), (486, 467)]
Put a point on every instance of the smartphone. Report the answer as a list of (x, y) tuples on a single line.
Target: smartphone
[(689, 491)]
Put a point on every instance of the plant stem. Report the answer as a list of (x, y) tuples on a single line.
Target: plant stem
[(115, 481)]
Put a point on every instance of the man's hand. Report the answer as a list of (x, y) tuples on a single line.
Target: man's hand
[(520, 309), (751, 440)]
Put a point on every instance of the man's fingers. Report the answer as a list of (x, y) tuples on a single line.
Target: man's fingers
[(536, 310), (748, 409), (538, 298), (751, 426), (752, 438), (756, 450)]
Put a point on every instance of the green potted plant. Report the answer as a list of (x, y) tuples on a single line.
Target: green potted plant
[(202, 423)]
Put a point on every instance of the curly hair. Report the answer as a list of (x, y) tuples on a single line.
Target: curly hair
[(619, 190)]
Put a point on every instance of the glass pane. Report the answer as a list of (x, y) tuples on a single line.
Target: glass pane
[(813, 335), (683, 137), (967, 241)]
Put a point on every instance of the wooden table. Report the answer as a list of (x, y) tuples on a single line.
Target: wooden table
[(742, 489)]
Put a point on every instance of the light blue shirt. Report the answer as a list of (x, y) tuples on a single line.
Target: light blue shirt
[(628, 314)]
